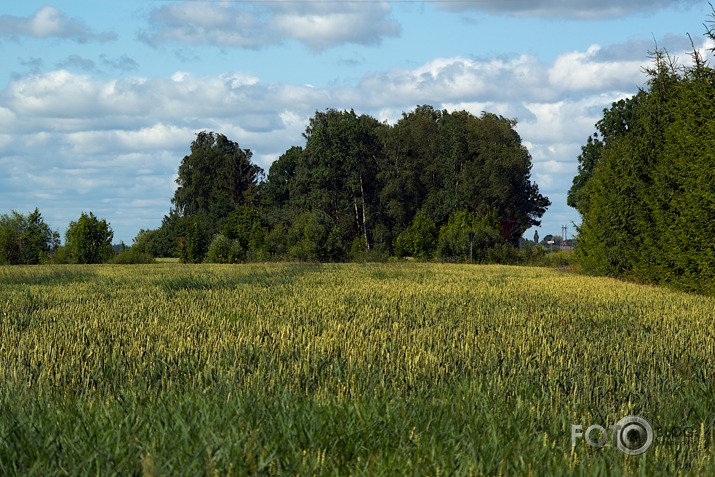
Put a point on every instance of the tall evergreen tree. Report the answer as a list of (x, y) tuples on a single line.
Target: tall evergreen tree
[(646, 191)]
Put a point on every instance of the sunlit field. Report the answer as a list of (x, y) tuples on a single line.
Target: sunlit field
[(347, 369)]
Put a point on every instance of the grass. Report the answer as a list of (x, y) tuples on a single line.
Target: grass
[(346, 369)]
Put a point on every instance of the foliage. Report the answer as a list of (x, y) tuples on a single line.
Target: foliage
[(132, 255), (314, 237), (216, 177), (225, 250), (245, 226), (559, 259), (89, 240), (213, 181), (357, 183), (164, 241), (195, 238), (336, 173), (439, 162), (346, 369), (419, 240), (454, 243), (27, 239), (645, 190)]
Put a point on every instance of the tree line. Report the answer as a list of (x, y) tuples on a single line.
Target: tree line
[(358, 189), (645, 187)]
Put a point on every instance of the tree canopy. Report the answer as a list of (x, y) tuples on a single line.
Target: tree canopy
[(356, 187)]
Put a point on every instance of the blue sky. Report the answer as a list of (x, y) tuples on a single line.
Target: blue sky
[(99, 101)]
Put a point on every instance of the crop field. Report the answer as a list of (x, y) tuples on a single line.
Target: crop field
[(347, 369)]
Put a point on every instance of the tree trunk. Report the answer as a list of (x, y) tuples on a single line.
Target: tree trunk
[(364, 219)]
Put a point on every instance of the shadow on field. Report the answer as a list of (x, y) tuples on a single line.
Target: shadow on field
[(261, 276), (41, 275)]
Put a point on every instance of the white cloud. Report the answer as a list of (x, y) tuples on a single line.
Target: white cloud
[(458, 80), (157, 137), (49, 22), (318, 25), (353, 23), (578, 9), (583, 70)]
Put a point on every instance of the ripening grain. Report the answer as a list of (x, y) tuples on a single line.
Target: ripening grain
[(370, 369)]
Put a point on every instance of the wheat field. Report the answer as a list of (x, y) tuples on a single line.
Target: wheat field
[(347, 369)]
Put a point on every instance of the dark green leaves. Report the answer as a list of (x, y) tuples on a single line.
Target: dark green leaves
[(646, 189), (89, 240)]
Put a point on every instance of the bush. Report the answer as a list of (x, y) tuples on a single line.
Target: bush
[(358, 253), (26, 239), (560, 259), (313, 238), (505, 254), (60, 256), (419, 240), (132, 255), (224, 250), (453, 244)]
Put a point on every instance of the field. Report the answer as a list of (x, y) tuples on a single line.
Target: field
[(347, 369)]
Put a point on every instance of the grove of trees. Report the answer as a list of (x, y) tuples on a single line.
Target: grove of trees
[(28, 240), (357, 189), (646, 181)]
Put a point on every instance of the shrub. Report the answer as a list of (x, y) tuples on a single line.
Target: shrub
[(132, 255), (224, 250), (419, 239)]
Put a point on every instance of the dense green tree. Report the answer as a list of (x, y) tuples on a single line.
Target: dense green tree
[(454, 244), (617, 122), (497, 179), (314, 237), (276, 193), (440, 162), (216, 177), (683, 189), (195, 238), (419, 240), (408, 172), (337, 172), (89, 240), (245, 226), (164, 241), (26, 239), (225, 250), (647, 200)]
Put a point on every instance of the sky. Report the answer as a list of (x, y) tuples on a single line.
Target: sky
[(100, 101)]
